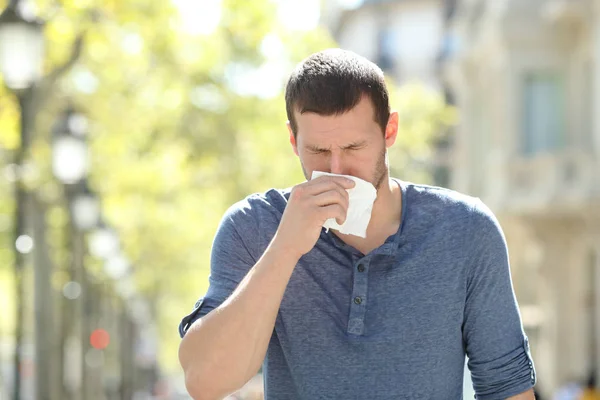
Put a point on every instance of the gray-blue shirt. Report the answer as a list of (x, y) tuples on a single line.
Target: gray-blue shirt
[(392, 324)]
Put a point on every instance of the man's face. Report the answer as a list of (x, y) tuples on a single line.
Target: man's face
[(346, 144)]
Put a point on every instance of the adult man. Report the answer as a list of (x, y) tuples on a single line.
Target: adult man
[(334, 316)]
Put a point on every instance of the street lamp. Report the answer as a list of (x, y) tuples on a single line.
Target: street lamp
[(104, 242), (116, 266), (21, 57), (85, 208), (70, 167), (69, 147), (21, 47)]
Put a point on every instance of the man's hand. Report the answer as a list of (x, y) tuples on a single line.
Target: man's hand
[(310, 205)]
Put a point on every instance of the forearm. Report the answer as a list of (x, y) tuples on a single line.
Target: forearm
[(528, 395), (224, 349)]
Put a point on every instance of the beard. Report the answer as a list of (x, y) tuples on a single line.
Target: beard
[(379, 175), (381, 169)]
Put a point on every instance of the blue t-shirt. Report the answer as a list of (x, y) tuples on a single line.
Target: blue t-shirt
[(392, 324)]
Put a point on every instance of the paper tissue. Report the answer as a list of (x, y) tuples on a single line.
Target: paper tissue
[(362, 196)]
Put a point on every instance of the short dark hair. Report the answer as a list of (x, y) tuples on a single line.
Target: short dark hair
[(332, 82)]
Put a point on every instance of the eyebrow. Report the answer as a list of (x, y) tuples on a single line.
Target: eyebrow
[(353, 145)]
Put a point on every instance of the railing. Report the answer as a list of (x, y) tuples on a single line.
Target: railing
[(570, 179)]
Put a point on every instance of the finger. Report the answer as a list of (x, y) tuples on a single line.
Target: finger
[(333, 211), (319, 185), (335, 196), (346, 183)]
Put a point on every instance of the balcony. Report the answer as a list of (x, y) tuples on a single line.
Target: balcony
[(565, 184)]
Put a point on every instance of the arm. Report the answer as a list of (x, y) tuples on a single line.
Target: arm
[(497, 348), (528, 395), (233, 340), (224, 348)]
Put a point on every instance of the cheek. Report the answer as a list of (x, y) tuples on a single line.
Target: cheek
[(362, 158), (360, 164), (366, 162), (313, 161)]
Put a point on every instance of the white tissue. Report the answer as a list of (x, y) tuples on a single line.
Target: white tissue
[(362, 196)]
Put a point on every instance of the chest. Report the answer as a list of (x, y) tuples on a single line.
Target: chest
[(374, 298), (374, 239), (379, 321)]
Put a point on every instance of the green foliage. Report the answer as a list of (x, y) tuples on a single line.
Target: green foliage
[(422, 117), (173, 142)]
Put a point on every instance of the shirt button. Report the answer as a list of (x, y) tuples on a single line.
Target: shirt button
[(357, 300), (361, 268)]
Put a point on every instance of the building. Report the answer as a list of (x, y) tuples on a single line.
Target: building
[(525, 76), (401, 36)]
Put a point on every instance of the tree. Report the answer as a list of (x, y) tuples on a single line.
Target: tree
[(178, 133)]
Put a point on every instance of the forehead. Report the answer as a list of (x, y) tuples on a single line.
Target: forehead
[(358, 121)]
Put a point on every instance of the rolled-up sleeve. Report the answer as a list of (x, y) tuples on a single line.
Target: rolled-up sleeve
[(497, 347), (233, 254)]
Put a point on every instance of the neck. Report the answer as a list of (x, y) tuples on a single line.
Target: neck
[(387, 207), (385, 218)]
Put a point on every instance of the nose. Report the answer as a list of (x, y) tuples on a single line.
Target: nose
[(336, 164)]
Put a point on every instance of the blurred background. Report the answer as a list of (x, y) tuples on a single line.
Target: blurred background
[(127, 128)]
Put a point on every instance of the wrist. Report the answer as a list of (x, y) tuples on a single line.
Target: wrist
[(283, 251)]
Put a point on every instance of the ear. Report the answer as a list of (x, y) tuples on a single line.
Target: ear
[(292, 138), (391, 130)]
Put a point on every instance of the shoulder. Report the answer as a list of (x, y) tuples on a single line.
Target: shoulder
[(257, 204), (257, 215), (448, 212), (434, 201)]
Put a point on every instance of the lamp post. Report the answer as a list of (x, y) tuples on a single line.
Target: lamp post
[(70, 167), (21, 47), (21, 54), (104, 242), (69, 147), (85, 208), (117, 266), (84, 211)]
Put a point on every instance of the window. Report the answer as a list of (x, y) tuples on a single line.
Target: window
[(543, 113), (386, 50)]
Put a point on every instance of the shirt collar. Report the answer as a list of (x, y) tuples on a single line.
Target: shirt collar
[(390, 247)]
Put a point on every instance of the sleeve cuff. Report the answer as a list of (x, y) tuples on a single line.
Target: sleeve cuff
[(507, 376), (189, 319)]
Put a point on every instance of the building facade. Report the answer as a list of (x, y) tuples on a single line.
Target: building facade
[(525, 76), (401, 36)]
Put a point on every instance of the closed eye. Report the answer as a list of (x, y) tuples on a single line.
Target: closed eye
[(316, 150), (351, 147), (354, 147)]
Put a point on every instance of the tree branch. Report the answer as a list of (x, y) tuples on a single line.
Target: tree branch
[(76, 50), (44, 89)]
